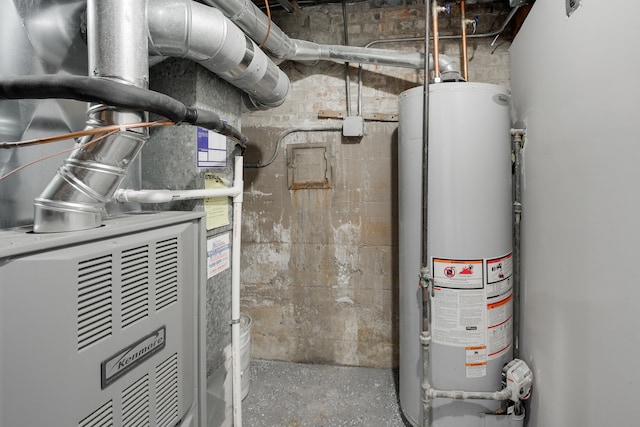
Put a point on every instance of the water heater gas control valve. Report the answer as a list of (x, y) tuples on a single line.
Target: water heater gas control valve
[(518, 378)]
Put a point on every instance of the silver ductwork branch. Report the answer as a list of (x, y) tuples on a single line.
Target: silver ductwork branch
[(185, 29), (308, 51), (75, 198), (248, 17)]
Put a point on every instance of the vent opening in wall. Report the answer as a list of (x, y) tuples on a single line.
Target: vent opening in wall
[(135, 285), (101, 417), (166, 273), (95, 300)]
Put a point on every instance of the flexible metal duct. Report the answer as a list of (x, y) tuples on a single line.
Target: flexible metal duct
[(185, 29)]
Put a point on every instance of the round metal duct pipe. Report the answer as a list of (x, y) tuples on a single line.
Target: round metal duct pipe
[(186, 29)]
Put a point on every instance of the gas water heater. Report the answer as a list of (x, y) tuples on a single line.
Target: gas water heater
[(469, 247)]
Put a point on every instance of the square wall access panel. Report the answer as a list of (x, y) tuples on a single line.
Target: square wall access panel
[(308, 166)]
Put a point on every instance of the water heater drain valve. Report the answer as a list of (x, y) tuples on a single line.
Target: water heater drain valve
[(518, 378)]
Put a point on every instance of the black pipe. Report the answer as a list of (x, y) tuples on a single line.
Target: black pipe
[(110, 92)]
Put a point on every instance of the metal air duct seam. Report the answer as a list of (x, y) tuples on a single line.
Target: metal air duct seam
[(254, 23), (185, 29), (75, 198)]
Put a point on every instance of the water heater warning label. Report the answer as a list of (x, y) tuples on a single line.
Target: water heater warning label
[(499, 276), (458, 274), (458, 317), (458, 303), (476, 361)]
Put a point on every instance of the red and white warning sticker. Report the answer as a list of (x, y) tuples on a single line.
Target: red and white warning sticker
[(499, 268), (458, 274), (476, 361), (499, 326)]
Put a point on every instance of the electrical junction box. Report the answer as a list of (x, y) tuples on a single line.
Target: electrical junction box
[(104, 326), (353, 126)]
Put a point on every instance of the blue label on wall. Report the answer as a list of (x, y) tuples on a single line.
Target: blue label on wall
[(212, 149)]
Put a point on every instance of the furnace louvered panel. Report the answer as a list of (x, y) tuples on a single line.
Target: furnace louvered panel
[(102, 328), (135, 285), (166, 273), (95, 300), (101, 417), (135, 403), (167, 392)]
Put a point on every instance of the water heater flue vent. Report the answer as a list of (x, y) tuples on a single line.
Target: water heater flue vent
[(103, 416), (95, 300), (166, 273), (135, 285)]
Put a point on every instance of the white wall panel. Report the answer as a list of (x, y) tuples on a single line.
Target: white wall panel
[(575, 88)]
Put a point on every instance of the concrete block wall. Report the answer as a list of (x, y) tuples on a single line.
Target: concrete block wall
[(319, 266)]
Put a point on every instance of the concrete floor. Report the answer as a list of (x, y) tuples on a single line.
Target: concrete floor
[(284, 394)]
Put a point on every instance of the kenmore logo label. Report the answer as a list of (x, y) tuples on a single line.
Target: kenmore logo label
[(132, 356)]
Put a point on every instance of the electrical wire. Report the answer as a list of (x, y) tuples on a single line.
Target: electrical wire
[(282, 136), (85, 132), (68, 150), (266, 37)]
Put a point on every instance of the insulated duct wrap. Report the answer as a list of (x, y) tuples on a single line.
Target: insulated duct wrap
[(185, 29)]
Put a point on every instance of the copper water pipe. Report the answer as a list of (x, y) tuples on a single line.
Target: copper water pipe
[(465, 59), (436, 53)]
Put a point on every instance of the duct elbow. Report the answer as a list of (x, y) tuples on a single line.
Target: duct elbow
[(190, 30), (449, 69), (273, 96)]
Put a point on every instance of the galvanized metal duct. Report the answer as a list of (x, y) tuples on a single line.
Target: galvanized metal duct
[(246, 15), (185, 29), (310, 51), (254, 23), (118, 45), (76, 196)]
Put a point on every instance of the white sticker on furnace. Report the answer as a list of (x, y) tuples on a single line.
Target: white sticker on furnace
[(476, 361)]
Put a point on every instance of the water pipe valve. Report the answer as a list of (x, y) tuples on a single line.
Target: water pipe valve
[(438, 9), (518, 378), (473, 22)]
